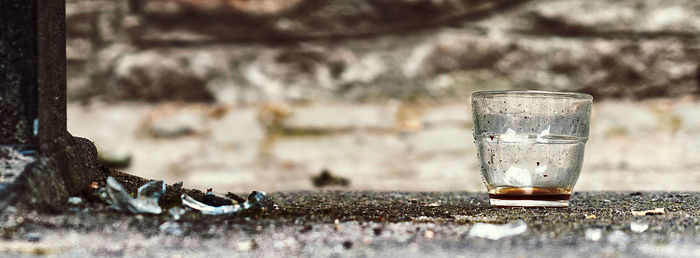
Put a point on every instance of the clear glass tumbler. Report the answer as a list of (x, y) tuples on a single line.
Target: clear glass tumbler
[(530, 144)]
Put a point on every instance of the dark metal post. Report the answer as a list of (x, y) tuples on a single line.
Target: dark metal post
[(33, 74), (33, 106), (51, 74), (18, 73)]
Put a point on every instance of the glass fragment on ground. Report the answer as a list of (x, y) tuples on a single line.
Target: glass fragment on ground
[(253, 200), (146, 200)]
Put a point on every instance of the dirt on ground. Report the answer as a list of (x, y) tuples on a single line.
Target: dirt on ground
[(361, 223)]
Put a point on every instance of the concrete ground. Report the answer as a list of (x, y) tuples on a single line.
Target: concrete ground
[(385, 224), (422, 146)]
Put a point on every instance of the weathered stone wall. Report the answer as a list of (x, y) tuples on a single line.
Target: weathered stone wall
[(241, 51)]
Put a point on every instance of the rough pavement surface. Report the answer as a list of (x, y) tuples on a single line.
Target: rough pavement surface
[(329, 223)]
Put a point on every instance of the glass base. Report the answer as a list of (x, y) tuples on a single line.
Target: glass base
[(529, 203)]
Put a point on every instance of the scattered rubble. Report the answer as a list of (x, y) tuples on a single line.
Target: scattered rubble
[(498, 231), (148, 195)]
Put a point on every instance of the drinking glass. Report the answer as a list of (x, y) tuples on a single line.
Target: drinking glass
[(530, 144)]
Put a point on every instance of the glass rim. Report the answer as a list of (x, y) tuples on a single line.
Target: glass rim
[(531, 93)]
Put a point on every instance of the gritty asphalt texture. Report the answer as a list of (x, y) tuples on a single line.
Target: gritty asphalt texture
[(341, 223)]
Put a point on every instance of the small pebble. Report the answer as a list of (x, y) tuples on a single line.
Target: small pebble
[(638, 227), (347, 244), (377, 231)]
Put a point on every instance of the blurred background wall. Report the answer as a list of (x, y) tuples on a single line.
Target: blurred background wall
[(241, 94)]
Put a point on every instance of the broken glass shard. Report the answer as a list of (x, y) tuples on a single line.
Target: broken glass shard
[(146, 200), (151, 191), (498, 231), (253, 200)]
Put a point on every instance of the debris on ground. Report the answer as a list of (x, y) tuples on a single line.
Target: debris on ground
[(593, 234), (657, 211), (255, 200), (590, 216), (638, 227), (498, 231), (146, 200), (326, 178), (171, 228)]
